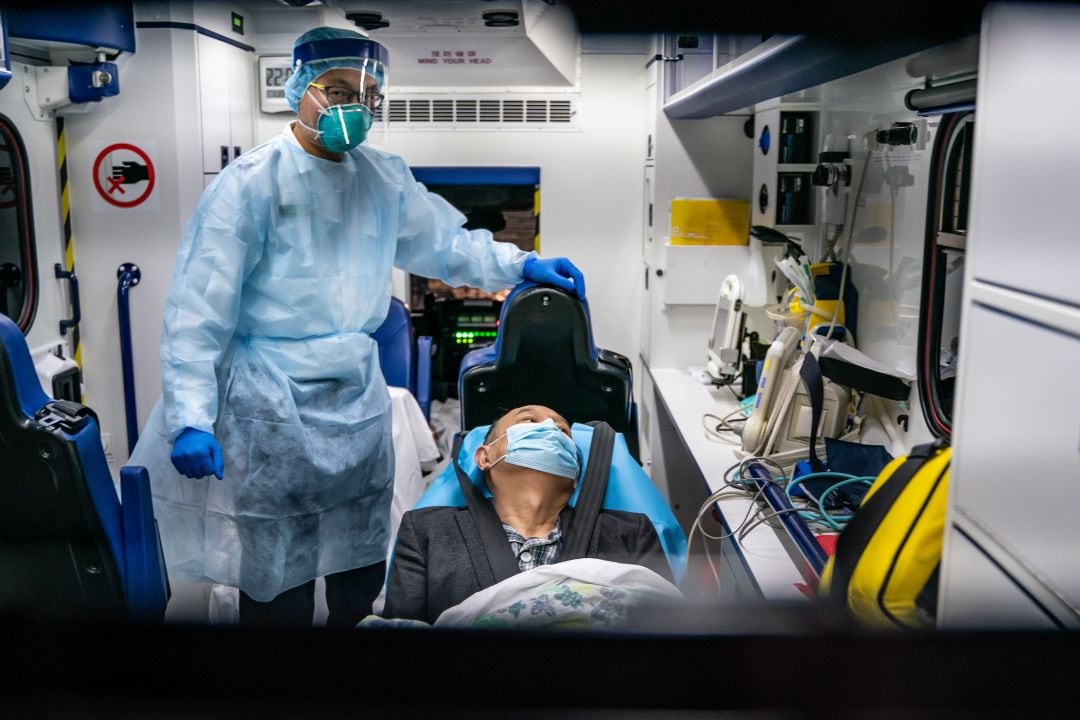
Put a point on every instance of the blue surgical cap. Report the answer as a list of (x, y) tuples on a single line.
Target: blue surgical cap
[(325, 48)]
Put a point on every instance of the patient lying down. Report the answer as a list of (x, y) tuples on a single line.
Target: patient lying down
[(531, 465)]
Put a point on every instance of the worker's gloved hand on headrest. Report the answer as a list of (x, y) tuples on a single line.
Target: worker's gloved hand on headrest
[(197, 454), (559, 272)]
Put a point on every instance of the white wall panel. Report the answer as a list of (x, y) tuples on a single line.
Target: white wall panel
[(1017, 442), (694, 158), (1024, 198), (153, 110), (1016, 460)]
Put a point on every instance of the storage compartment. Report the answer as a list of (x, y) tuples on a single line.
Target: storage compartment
[(710, 221), (785, 153), (794, 198), (1017, 464), (978, 594), (797, 140), (1025, 195)]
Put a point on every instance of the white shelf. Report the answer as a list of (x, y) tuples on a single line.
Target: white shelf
[(763, 549)]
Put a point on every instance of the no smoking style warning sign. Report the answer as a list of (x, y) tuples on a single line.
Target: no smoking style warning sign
[(124, 175)]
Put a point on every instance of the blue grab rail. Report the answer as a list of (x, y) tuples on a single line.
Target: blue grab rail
[(76, 311), (793, 524), (128, 276)]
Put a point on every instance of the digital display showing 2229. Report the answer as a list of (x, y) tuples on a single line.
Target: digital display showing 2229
[(276, 78)]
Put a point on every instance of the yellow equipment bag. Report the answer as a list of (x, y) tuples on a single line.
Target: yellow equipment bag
[(885, 567)]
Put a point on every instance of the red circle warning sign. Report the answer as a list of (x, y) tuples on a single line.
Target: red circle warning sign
[(127, 179)]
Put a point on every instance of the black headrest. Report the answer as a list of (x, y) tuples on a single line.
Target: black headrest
[(544, 355)]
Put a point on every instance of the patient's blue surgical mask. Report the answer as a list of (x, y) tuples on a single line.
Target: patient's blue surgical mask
[(541, 446)]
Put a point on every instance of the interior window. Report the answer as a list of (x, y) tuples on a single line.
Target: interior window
[(943, 276), (461, 319), (18, 273)]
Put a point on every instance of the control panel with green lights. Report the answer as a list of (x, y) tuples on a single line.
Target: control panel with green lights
[(471, 337)]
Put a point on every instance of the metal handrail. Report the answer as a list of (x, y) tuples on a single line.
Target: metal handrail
[(128, 276)]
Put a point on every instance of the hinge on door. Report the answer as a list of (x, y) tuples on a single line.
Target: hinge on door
[(663, 58)]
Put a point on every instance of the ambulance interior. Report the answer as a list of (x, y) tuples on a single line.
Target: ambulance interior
[(822, 239)]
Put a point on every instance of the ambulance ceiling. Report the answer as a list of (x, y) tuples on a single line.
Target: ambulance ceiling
[(457, 43)]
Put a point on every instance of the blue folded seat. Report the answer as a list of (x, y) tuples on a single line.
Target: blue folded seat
[(404, 364), (69, 549), (628, 489)]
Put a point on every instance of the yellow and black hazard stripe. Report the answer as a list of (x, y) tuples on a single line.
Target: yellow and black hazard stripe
[(536, 212), (65, 213)]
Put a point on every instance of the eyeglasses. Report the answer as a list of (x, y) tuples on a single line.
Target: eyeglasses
[(338, 95)]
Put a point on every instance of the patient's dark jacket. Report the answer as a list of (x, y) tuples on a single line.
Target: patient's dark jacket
[(439, 559)]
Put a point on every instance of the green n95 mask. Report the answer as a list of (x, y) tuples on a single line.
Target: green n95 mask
[(341, 127)]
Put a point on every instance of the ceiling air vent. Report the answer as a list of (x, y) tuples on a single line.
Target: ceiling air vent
[(398, 111), (453, 111), (500, 19), (466, 110), (489, 110), (442, 111), (560, 111), (513, 110), (420, 110), (368, 20), (536, 110)]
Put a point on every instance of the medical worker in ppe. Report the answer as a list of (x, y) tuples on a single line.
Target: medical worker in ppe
[(274, 406)]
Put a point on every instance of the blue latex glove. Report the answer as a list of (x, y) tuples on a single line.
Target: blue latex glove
[(197, 454), (559, 272)]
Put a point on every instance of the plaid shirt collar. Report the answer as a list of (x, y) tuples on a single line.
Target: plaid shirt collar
[(534, 552)]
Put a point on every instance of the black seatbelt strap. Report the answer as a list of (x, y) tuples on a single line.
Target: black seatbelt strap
[(488, 526), (593, 486), (864, 379), (810, 372)]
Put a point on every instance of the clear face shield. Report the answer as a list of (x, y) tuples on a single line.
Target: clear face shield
[(380, 130)]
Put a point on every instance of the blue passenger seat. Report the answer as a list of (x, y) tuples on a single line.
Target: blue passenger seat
[(544, 355), (69, 548), (405, 364)]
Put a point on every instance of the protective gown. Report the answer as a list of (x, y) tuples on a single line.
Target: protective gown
[(282, 272)]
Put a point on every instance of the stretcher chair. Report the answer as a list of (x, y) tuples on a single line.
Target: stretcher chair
[(628, 488), (69, 549), (405, 364), (544, 355)]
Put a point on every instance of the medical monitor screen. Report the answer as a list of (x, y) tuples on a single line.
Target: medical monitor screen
[(725, 342), (718, 339)]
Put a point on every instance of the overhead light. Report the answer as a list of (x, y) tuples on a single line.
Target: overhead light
[(367, 20), (500, 18), (299, 3)]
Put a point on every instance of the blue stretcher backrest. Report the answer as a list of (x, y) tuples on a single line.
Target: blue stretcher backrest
[(628, 489), (544, 355), (68, 548)]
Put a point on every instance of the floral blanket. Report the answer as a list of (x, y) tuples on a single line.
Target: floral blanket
[(586, 593)]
